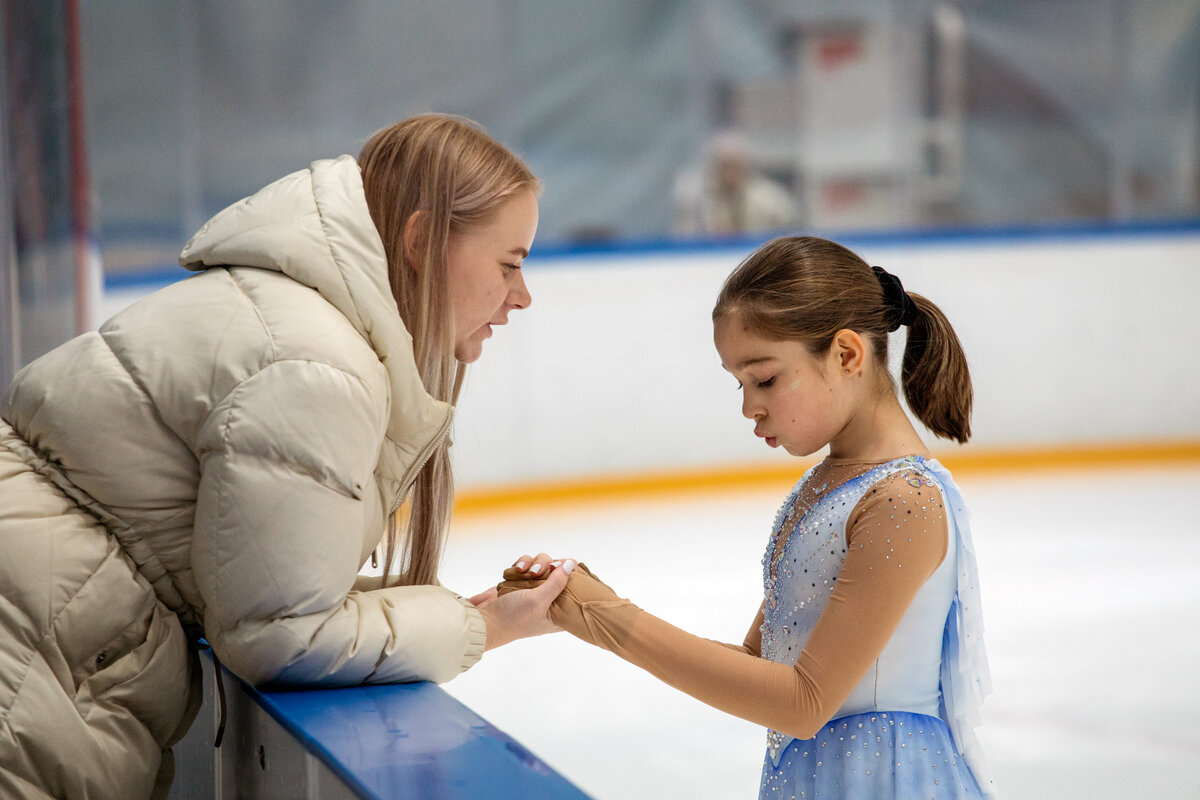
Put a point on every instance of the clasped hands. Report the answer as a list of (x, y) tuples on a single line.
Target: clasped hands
[(539, 595)]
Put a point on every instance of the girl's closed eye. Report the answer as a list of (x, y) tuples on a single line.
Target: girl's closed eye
[(759, 384)]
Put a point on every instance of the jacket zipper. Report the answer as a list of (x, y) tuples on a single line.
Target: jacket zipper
[(411, 476)]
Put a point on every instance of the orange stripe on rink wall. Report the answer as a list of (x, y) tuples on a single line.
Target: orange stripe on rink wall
[(632, 486), (1074, 457), (968, 461)]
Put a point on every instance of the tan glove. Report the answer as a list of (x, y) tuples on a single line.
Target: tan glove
[(726, 677), (577, 608)]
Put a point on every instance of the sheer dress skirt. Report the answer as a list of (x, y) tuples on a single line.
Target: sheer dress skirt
[(888, 754)]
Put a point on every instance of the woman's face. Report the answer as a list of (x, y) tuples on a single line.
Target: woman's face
[(484, 269)]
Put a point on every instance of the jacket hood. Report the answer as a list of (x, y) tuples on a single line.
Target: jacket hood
[(314, 226)]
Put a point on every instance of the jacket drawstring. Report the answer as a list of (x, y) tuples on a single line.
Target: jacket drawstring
[(197, 642), (220, 698)]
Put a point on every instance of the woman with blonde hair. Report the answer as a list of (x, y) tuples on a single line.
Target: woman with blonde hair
[(220, 459)]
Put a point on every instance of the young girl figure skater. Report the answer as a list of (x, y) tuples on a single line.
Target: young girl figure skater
[(866, 659)]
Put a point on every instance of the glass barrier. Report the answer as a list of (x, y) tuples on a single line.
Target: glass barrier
[(653, 122)]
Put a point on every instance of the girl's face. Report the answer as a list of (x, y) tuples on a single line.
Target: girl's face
[(798, 401), (484, 270)]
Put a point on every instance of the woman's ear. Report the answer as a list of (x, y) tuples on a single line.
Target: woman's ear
[(416, 229), (848, 352)]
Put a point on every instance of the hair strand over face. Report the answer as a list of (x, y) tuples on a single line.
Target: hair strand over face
[(455, 176)]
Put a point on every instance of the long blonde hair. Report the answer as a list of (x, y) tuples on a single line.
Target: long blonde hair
[(457, 176)]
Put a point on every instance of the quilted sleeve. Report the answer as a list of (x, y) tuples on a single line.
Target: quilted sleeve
[(285, 462)]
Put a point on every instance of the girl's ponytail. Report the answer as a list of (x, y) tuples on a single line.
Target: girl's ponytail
[(934, 373)]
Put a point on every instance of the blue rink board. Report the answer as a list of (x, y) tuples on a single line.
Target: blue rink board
[(155, 276), (412, 740)]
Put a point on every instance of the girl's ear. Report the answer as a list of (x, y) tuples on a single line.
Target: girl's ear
[(416, 229), (848, 352)]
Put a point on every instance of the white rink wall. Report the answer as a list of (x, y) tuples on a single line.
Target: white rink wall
[(1074, 339)]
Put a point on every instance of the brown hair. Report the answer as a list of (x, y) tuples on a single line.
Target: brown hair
[(454, 174), (807, 289)]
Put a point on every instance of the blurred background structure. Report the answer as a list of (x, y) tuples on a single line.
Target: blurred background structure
[(49, 265), (1034, 167), (876, 114), (870, 114)]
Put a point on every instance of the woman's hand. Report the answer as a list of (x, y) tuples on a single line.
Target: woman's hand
[(538, 566), (584, 593), (518, 615)]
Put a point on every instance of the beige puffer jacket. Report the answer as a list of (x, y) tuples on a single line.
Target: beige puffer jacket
[(224, 453)]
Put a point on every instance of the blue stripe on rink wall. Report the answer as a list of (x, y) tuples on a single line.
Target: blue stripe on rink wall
[(154, 276), (412, 740)]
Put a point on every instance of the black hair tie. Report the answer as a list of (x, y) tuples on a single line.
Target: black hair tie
[(900, 308)]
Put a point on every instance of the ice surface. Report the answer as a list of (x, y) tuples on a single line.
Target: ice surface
[(1091, 602)]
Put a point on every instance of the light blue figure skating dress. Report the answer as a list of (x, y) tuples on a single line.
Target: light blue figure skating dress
[(906, 730)]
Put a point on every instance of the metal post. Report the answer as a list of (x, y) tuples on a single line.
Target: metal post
[(10, 328), (81, 184), (191, 179), (1121, 198)]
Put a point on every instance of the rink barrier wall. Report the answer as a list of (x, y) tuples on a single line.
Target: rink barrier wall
[(354, 743), (1081, 341), (151, 276)]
